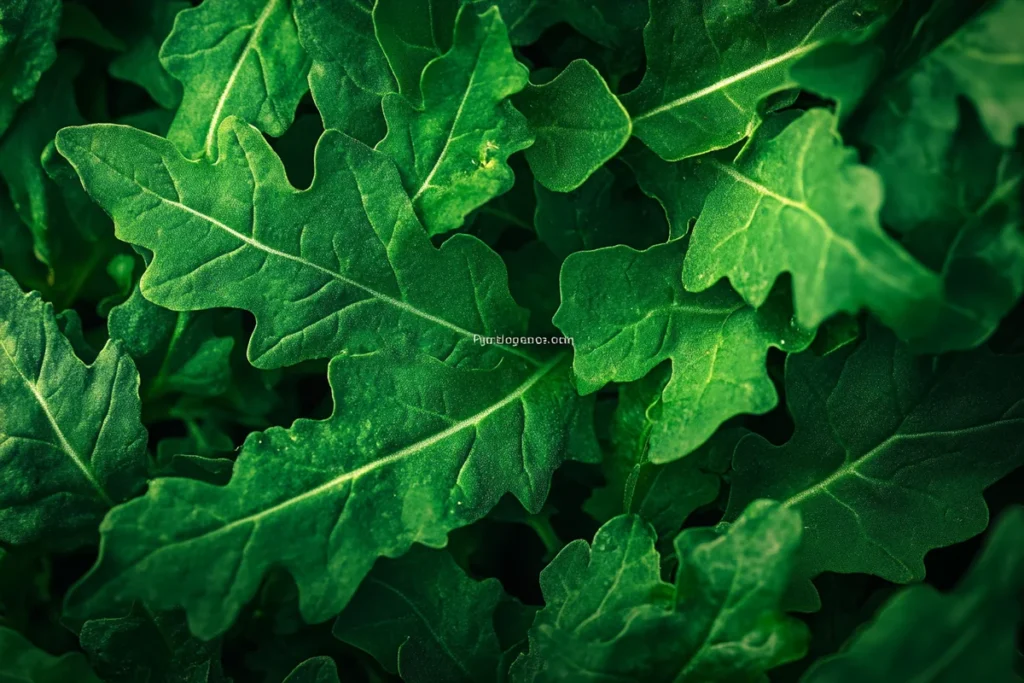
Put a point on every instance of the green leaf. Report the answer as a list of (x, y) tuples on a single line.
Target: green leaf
[(663, 495), (680, 187), (175, 352), (411, 33), (413, 449), (349, 75), (452, 151), (22, 662), (608, 614), (579, 125), (890, 455), (314, 670), (28, 29), (156, 648), (971, 631), (234, 58), (735, 54), (601, 213), (796, 201), (627, 312), (421, 617), (72, 442), (227, 234), (146, 28)]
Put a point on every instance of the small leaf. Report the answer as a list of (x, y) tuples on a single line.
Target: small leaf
[(413, 450), (22, 662), (735, 54), (28, 29), (72, 442), (972, 630), (452, 151), (579, 125), (627, 312), (147, 27), (314, 670), (152, 648), (349, 75), (796, 201), (412, 33), (607, 613), (890, 455), (600, 213), (234, 58), (421, 617)]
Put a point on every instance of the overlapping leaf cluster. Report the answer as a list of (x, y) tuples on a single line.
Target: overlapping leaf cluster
[(266, 408)]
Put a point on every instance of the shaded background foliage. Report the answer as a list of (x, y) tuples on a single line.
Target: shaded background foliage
[(785, 237)]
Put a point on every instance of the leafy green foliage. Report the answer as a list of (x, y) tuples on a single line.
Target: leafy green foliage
[(975, 624), (604, 602), (885, 463), (544, 340), (71, 437), (234, 58)]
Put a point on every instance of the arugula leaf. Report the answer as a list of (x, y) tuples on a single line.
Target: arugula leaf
[(421, 617), (443, 444), (72, 441), (579, 125), (234, 58), (627, 312), (349, 75), (663, 495), (156, 648), (796, 201), (368, 277), (736, 54), (21, 661), (890, 456), (600, 213), (607, 609), (314, 670), (411, 33), (28, 29), (452, 150), (147, 28), (971, 630)]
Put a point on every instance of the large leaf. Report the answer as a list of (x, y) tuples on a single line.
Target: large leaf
[(349, 75), (971, 631), (234, 58), (314, 670), (608, 614), (709, 64), (27, 31), (579, 125), (145, 27), (156, 648), (71, 440), (421, 617), (796, 201), (627, 312), (890, 456), (22, 662), (413, 449), (452, 149), (236, 234)]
